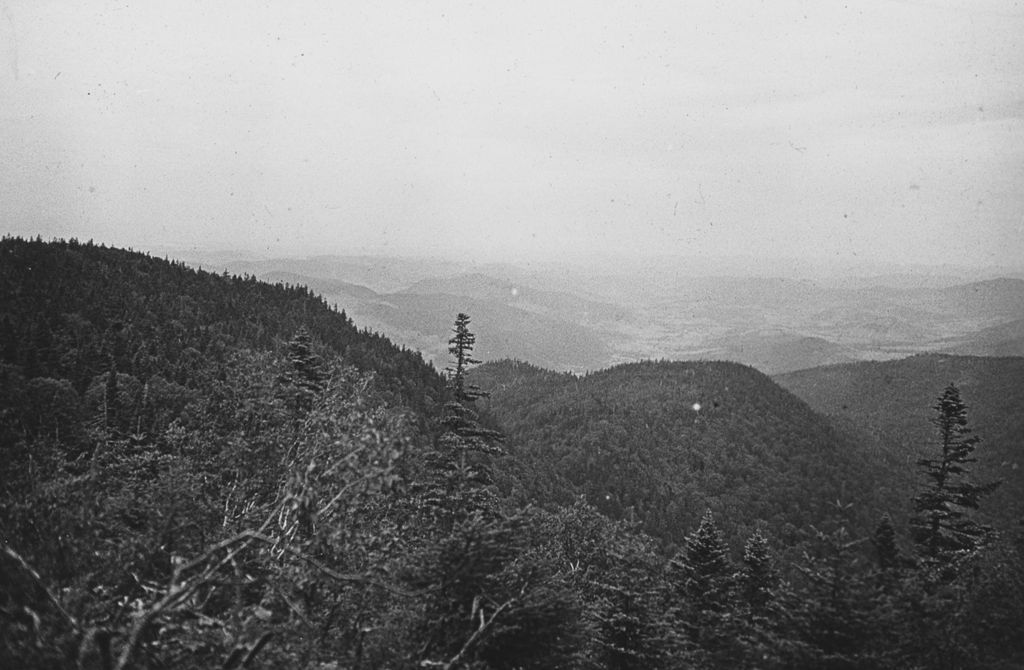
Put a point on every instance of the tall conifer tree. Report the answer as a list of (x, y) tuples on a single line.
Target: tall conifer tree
[(704, 581), (942, 525), (460, 459)]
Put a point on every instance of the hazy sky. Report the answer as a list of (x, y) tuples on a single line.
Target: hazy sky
[(877, 130)]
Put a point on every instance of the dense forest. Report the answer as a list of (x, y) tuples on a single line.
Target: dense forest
[(886, 404), (661, 442), (207, 471)]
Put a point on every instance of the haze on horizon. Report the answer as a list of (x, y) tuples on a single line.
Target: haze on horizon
[(890, 133)]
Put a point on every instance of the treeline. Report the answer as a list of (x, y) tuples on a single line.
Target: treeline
[(291, 511)]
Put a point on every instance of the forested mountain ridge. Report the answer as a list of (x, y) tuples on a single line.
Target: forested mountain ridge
[(663, 441), (71, 310), (205, 471), (889, 405)]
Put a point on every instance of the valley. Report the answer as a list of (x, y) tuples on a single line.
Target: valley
[(578, 318)]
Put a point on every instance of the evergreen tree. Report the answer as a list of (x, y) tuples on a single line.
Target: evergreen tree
[(459, 418), (942, 526), (885, 544), (757, 578), (705, 567), (460, 346), (461, 457), (703, 577), (760, 630), (306, 375), (837, 612)]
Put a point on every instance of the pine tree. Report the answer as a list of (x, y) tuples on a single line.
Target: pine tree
[(837, 612), (942, 526), (460, 459), (307, 374), (705, 567), (759, 631), (459, 417), (704, 583), (460, 346), (757, 578)]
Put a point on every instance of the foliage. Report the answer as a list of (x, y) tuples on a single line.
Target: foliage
[(703, 588), (889, 406), (942, 527), (460, 476), (660, 442), (205, 471)]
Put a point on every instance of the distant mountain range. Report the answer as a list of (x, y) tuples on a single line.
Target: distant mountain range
[(1006, 339), (579, 320), (549, 328)]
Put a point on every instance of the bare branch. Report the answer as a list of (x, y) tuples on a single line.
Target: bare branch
[(358, 578), (30, 571), (326, 508), (485, 624)]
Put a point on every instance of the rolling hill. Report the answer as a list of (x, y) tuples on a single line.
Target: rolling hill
[(662, 442), (546, 327), (890, 405), (587, 318), (556, 304), (71, 311), (1006, 339), (776, 350)]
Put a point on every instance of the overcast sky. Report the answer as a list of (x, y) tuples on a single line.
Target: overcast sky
[(883, 130)]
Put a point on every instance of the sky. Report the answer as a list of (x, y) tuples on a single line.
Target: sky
[(883, 131)]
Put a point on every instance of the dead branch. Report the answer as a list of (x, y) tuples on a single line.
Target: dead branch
[(486, 622), (38, 581), (357, 578)]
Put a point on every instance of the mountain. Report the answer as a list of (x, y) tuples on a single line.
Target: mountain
[(890, 404), (590, 318), (424, 321), (73, 311), (775, 350), (556, 304), (205, 470), (662, 442), (993, 298), (1006, 339), (379, 273), (347, 291), (510, 321)]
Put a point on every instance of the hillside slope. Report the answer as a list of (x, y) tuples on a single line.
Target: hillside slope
[(776, 350), (545, 327), (71, 311), (662, 442), (890, 403), (1006, 339)]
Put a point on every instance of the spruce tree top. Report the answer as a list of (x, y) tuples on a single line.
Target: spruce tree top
[(460, 346)]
